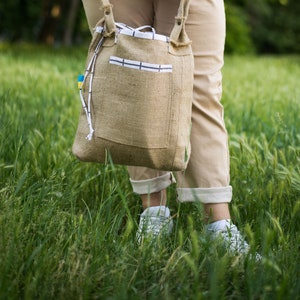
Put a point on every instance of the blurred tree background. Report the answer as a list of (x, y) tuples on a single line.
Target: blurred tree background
[(253, 26)]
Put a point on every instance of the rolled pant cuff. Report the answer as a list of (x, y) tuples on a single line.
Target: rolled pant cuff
[(152, 185), (205, 195)]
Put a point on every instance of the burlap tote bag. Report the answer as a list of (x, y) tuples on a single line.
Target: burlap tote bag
[(137, 95)]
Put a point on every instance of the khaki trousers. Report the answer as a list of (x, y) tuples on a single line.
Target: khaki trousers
[(206, 178)]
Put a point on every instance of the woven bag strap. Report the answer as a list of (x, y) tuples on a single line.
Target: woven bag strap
[(109, 21), (178, 36)]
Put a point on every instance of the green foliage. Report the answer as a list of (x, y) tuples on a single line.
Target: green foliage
[(238, 39), (274, 25), (20, 20), (68, 228), (260, 26), (32, 21), (268, 26)]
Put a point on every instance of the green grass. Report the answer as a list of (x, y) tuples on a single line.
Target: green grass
[(67, 229)]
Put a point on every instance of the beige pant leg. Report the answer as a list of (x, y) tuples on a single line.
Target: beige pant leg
[(207, 175)]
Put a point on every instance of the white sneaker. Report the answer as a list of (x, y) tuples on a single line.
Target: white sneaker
[(154, 222), (232, 239)]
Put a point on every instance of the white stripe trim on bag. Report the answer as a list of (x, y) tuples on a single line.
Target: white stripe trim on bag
[(144, 35), (136, 32), (139, 65)]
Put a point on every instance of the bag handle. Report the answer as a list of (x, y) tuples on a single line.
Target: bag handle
[(178, 36), (109, 20)]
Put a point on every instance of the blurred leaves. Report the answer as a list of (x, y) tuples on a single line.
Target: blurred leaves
[(261, 26)]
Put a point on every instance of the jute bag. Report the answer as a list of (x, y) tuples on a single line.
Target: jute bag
[(137, 95)]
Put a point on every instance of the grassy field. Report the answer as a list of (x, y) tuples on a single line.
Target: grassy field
[(67, 229)]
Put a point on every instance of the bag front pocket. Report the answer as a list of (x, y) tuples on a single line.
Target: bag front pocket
[(133, 105)]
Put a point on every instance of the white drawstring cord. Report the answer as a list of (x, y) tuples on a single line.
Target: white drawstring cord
[(89, 71)]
